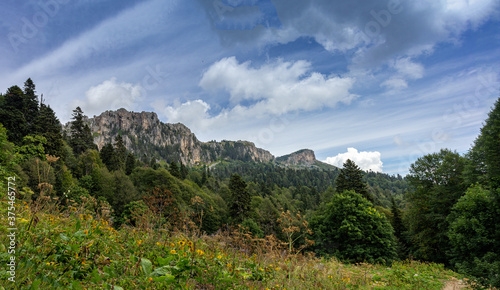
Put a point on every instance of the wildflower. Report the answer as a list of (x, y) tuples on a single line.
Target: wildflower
[(219, 257), (139, 242), (229, 265), (199, 252), (48, 264), (172, 252), (172, 245), (182, 243), (150, 279), (277, 268), (185, 254), (85, 232), (158, 243)]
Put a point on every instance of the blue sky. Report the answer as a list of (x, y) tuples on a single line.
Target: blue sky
[(380, 82)]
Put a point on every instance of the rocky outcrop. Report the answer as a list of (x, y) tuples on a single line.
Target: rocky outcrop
[(304, 157), (144, 134)]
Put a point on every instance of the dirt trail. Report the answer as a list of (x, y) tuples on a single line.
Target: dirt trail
[(455, 285)]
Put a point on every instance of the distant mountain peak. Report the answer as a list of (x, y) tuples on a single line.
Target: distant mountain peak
[(302, 157)]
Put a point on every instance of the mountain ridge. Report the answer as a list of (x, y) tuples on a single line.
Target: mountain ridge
[(145, 135)]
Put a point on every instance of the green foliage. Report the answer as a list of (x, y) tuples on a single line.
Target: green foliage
[(437, 183), (484, 156), (240, 198), (349, 228), (80, 136), (351, 178), (473, 232), (32, 147)]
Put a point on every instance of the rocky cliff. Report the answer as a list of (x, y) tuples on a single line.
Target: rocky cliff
[(303, 157), (144, 134)]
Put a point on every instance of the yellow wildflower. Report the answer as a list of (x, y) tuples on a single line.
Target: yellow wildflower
[(229, 265), (199, 252), (172, 252), (158, 243), (219, 257)]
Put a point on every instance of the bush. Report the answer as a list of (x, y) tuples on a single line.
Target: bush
[(350, 228)]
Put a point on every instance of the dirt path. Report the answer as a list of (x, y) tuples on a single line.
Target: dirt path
[(454, 285)]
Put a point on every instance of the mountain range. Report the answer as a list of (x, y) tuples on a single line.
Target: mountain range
[(146, 136)]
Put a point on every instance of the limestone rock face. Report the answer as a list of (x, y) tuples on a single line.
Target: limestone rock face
[(304, 157), (144, 134)]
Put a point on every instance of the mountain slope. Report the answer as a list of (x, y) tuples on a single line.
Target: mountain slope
[(144, 134)]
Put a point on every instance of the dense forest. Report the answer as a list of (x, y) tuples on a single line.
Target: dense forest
[(446, 210)]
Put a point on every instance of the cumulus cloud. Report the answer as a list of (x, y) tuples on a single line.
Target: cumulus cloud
[(110, 95), (192, 113), (277, 87), (366, 160)]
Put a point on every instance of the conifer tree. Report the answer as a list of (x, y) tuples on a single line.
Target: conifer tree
[(351, 178), (130, 163), (240, 198), (174, 169), (12, 115), (81, 137), (47, 125), (120, 152), (483, 164)]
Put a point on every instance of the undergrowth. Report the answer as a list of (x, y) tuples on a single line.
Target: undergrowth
[(74, 246)]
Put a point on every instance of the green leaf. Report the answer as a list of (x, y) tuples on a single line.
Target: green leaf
[(161, 271), (165, 278), (147, 266), (78, 225)]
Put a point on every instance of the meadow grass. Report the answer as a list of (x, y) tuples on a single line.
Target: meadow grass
[(78, 248)]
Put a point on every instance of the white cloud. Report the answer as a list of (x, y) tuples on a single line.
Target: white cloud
[(276, 87), (110, 95), (395, 84), (364, 159), (192, 113), (409, 69)]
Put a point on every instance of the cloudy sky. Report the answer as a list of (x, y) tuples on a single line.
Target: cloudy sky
[(382, 82)]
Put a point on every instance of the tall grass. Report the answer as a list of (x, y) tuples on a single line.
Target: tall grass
[(73, 245)]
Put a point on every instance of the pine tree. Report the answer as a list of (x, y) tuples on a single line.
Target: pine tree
[(81, 137), (351, 178), (107, 156), (484, 157), (30, 103), (120, 152), (174, 169), (12, 115), (240, 198), (130, 163), (47, 125)]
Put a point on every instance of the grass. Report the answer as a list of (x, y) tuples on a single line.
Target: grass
[(77, 248)]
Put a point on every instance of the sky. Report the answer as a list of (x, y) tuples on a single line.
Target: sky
[(382, 82)]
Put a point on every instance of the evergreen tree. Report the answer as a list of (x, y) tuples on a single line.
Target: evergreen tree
[(484, 157), (48, 126), (81, 137), (120, 152), (12, 115), (30, 103), (107, 155), (240, 198), (174, 169), (183, 171), (436, 184), (130, 163), (351, 178)]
